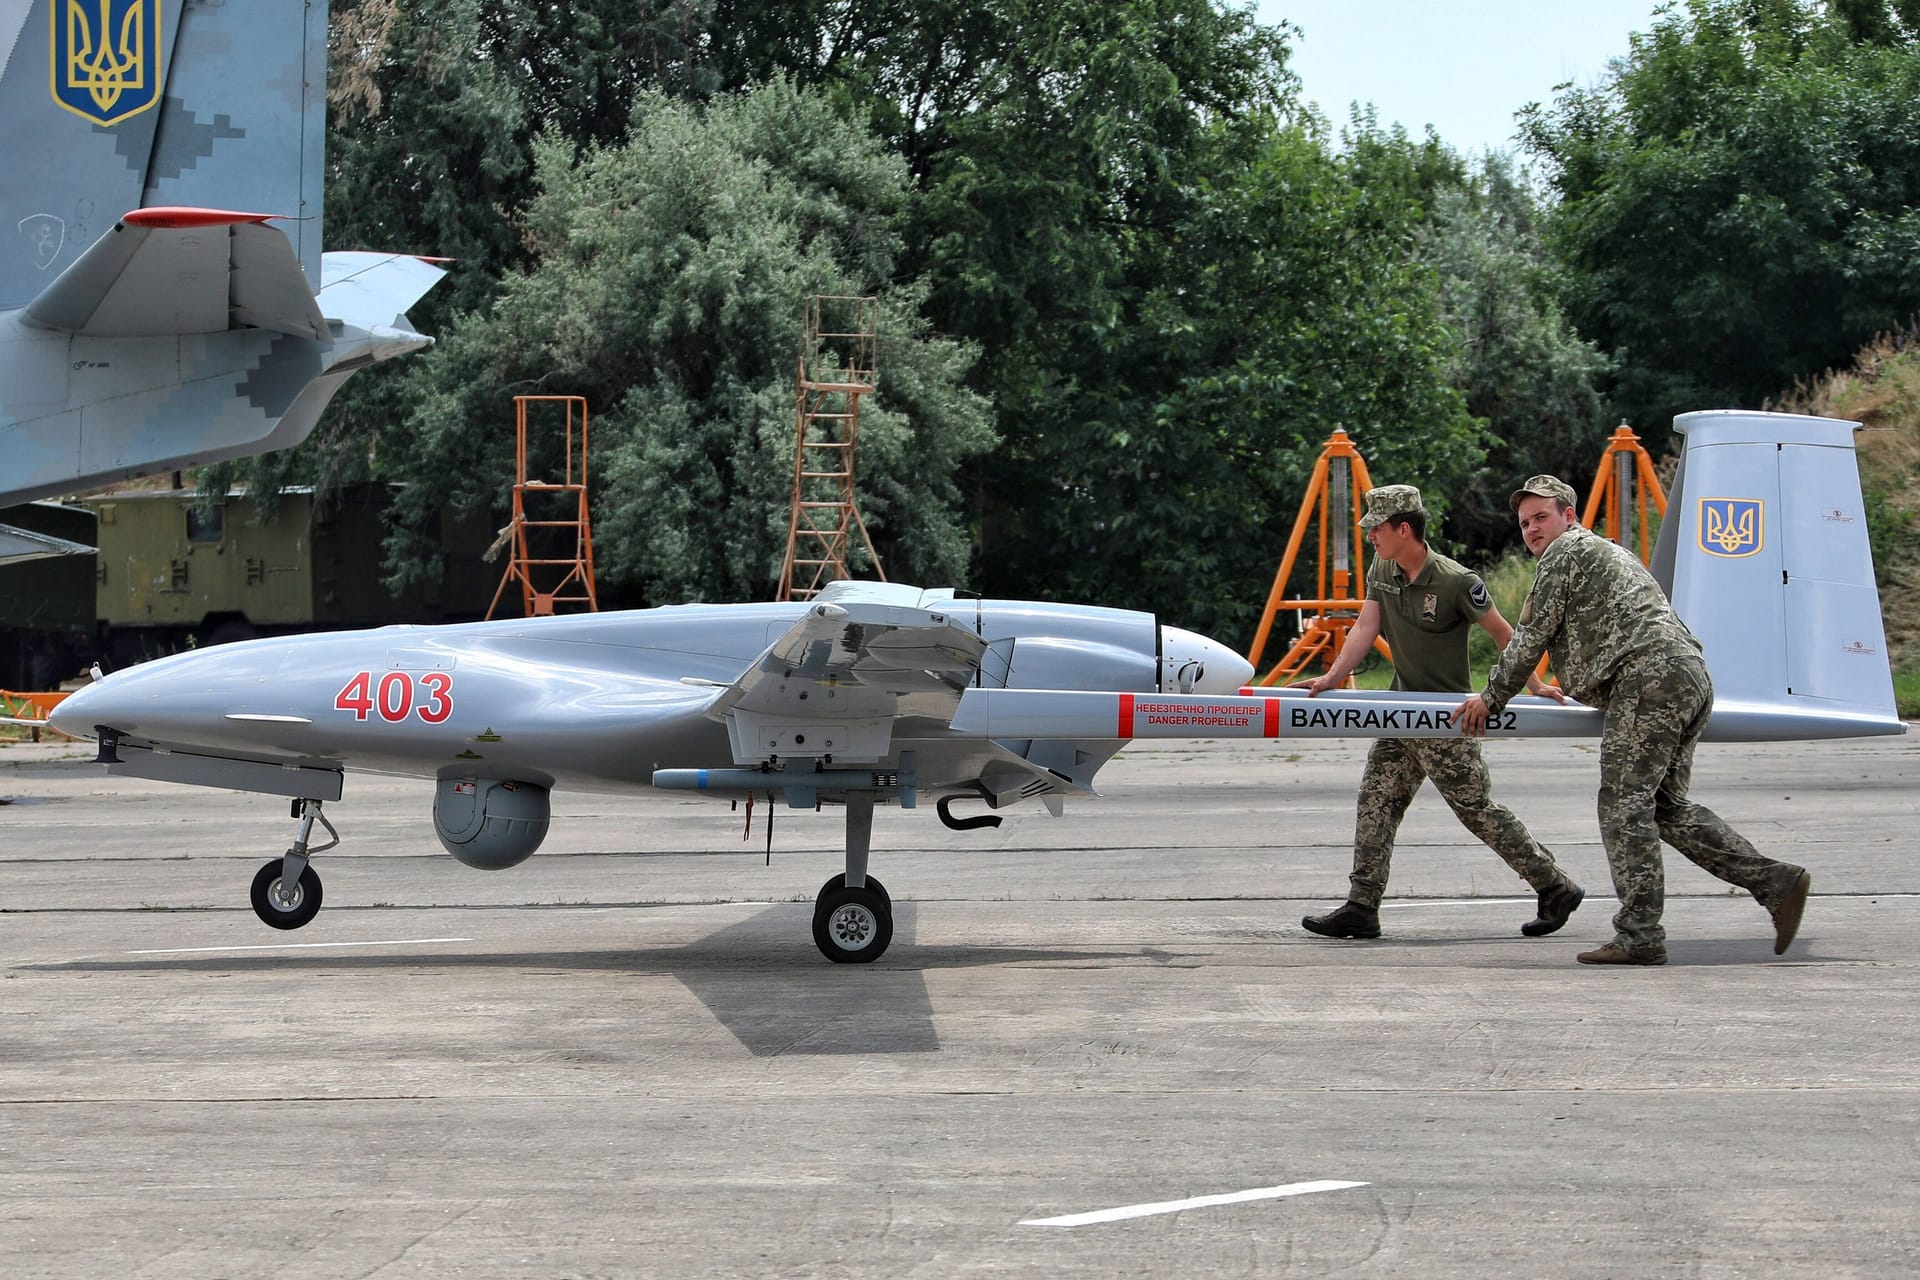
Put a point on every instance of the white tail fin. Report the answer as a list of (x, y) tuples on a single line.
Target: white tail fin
[(1764, 554)]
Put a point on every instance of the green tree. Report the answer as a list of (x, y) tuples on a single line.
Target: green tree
[(433, 114), (1739, 205), (665, 284), (434, 111), (1175, 286), (1280, 300), (1177, 293), (1533, 380)]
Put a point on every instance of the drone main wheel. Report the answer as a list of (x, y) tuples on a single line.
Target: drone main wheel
[(840, 882), (852, 926), (291, 911)]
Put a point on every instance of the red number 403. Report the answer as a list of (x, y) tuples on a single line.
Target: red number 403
[(395, 697)]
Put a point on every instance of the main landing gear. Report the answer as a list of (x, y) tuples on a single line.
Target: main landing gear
[(853, 916), (286, 891)]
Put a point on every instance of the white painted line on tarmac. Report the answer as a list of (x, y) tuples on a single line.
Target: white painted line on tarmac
[(1198, 1202), (1477, 902), (295, 946)]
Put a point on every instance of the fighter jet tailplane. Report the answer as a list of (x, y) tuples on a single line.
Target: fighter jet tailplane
[(145, 323)]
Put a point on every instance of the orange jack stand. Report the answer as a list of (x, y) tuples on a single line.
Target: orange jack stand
[(1625, 460), (1339, 471), (1614, 492)]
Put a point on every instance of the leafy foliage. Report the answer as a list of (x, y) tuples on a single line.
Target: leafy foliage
[(1178, 295), (1524, 370), (1740, 205), (1164, 285), (665, 286)]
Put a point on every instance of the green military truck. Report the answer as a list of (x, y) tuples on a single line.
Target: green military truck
[(173, 572)]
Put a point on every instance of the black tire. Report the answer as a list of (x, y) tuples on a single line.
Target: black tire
[(840, 882), (267, 905), (852, 926)]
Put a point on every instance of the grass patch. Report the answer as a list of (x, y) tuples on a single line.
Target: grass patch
[(1906, 693), (1508, 581)]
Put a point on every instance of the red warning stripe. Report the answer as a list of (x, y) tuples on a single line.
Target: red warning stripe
[(1273, 717), (1126, 715)]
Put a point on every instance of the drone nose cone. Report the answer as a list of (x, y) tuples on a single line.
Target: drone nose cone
[(1192, 663), (79, 712)]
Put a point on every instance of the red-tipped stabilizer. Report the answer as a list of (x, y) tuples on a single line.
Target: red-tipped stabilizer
[(181, 216)]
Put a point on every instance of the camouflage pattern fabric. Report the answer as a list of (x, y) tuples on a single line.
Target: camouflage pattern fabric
[(1395, 769), (1593, 607), (1618, 645), (1653, 720)]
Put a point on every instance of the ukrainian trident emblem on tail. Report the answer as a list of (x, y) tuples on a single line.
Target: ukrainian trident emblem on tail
[(105, 57), (1732, 527)]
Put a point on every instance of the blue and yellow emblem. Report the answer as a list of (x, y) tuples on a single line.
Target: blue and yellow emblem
[(1732, 527), (106, 57)]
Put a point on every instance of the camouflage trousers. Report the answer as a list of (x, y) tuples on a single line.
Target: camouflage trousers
[(1654, 714), (1395, 769)]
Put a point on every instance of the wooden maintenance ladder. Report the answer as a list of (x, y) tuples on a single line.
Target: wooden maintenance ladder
[(1335, 499), (839, 343), (547, 577)]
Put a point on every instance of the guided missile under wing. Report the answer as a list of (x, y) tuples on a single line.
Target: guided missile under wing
[(880, 692), (164, 301)]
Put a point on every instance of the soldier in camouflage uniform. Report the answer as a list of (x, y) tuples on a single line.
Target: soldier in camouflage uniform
[(1425, 603), (1617, 644)]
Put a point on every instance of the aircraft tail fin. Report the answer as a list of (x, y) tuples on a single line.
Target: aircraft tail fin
[(218, 106), (1764, 553)]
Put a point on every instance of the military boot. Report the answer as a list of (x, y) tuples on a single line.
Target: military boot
[(1349, 920), (1787, 912), (1556, 904), (1614, 953)]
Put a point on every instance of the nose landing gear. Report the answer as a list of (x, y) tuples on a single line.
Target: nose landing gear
[(286, 891)]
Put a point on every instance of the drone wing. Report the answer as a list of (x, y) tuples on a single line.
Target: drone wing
[(841, 678)]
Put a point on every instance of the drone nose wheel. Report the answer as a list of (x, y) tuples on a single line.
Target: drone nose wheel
[(286, 891), (284, 905)]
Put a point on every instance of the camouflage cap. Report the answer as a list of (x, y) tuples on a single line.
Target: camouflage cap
[(1543, 487), (1390, 500)]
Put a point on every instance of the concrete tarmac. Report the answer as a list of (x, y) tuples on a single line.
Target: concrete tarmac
[(626, 1058)]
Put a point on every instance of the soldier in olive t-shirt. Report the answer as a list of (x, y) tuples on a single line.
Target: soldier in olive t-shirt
[(1424, 604)]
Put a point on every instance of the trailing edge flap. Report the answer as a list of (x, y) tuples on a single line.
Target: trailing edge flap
[(169, 272), (858, 661)]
